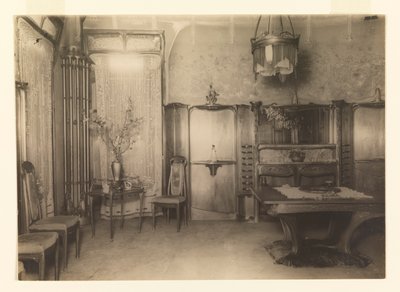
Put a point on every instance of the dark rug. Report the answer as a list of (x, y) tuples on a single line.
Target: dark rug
[(314, 256)]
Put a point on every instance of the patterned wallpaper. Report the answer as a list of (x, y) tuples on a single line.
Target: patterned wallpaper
[(330, 65)]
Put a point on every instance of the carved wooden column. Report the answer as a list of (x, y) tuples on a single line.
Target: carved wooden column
[(344, 141)]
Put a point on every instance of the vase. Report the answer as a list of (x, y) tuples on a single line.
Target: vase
[(116, 168), (213, 156)]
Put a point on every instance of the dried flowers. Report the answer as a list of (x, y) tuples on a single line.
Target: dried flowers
[(281, 120), (117, 140)]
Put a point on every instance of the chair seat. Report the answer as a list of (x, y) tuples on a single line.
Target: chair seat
[(169, 199), (54, 223), (31, 243), (21, 270), (21, 267)]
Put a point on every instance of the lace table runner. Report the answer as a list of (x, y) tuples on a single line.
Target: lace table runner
[(345, 193)]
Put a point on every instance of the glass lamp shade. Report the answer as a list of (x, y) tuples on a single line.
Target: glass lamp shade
[(275, 53)]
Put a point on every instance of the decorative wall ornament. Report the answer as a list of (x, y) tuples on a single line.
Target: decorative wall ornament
[(100, 41), (212, 96), (297, 155)]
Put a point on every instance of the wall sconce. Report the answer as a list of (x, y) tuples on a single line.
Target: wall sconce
[(275, 52)]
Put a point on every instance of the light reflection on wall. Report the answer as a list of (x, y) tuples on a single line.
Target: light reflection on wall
[(209, 128), (126, 62), (369, 133)]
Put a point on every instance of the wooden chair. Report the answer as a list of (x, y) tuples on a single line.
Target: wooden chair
[(176, 192), (317, 174), (35, 246), (63, 225), (276, 175)]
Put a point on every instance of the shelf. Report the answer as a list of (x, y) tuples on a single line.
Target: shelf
[(213, 165), (296, 146), (221, 162), (213, 107), (298, 163)]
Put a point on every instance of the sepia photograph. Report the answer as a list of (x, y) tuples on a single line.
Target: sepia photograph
[(200, 146)]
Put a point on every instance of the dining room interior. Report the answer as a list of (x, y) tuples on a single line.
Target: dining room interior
[(200, 147)]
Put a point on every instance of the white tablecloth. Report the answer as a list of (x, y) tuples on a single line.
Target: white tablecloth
[(345, 193)]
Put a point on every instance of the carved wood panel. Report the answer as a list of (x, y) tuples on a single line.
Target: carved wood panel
[(296, 174), (276, 170), (317, 170)]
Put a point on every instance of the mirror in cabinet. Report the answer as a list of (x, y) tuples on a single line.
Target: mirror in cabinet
[(294, 124)]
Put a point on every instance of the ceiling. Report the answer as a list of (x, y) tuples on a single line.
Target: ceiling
[(160, 21)]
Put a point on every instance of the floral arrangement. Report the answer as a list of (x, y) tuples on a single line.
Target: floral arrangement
[(118, 140), (281, 120)]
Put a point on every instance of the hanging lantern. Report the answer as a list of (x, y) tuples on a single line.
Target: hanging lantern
[(275, 51)]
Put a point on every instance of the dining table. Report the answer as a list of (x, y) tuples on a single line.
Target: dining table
[(348, 210)]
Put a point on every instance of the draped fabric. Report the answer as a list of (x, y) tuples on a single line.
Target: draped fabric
[(34, 66), (118, 78)]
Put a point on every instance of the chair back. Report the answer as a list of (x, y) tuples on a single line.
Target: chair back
[(177, 177), (31, 195), (276, 175), (317, 174)]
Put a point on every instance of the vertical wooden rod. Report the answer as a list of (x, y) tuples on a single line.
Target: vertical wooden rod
[(78, 132), (87, 66), (71, 117), (63, 69)]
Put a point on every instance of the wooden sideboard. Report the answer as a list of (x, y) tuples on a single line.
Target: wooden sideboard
[(296, 172), (274, 166)]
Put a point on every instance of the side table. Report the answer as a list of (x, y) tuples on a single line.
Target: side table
[(115, 194)]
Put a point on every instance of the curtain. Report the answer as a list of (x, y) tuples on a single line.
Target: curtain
[(34, 66), (118, 78)]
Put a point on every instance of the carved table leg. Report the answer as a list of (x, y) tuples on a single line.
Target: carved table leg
[(141, 199), (337, 223), (286, 231), (357, 219), (111, 218), (122, 211), (289, 224)]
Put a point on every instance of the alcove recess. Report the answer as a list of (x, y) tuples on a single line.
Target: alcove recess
[(219, 194)]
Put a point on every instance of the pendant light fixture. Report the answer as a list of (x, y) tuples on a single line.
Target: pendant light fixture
[(275, 50)]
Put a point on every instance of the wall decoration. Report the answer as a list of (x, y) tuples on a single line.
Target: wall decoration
[(34, 106)]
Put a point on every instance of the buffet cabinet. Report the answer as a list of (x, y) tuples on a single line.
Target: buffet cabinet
[(296, 165)]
